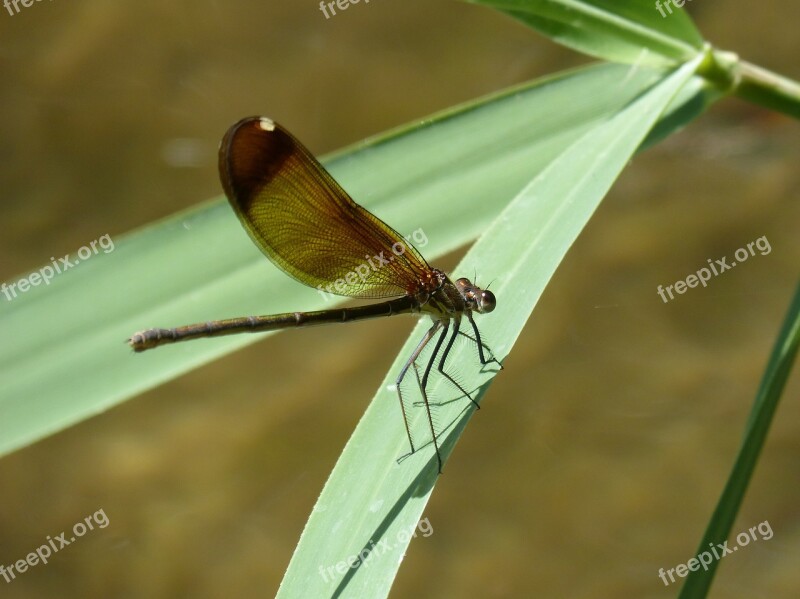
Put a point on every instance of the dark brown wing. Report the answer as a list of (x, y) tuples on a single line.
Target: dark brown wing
[(302, 219)]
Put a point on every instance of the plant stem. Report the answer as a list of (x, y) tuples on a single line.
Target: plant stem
[(768, 89), (750, 82)]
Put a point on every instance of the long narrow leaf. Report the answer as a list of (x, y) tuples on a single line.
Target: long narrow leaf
[(448, 175), (626, 31), (769, 393), (371, 502)]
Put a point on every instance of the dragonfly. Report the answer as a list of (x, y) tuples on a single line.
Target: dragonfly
[(309, 227)]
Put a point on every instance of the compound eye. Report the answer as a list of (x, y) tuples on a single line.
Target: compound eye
[(487, 303)]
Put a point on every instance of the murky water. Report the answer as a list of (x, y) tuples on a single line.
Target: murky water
[(601, 449)]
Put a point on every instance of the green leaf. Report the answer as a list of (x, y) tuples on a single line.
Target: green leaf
[(371, 503), (64, 358), (625, 31), (769, 393)]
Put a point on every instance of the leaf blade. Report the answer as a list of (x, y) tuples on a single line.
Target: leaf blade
[(68, 359), (370, 496), (624, 31)]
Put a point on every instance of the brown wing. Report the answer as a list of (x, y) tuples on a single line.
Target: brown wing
[(302, 219)]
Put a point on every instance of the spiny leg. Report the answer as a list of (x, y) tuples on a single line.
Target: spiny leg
[(424, 383), (480, 344), (448, 347), (411, 360), (471, 338)]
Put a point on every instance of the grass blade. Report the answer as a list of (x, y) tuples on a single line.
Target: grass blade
[(626, 31), (371, 502), (769, 393), (68, 360)]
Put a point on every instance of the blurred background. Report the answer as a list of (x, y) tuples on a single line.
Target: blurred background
[(603, 446)]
